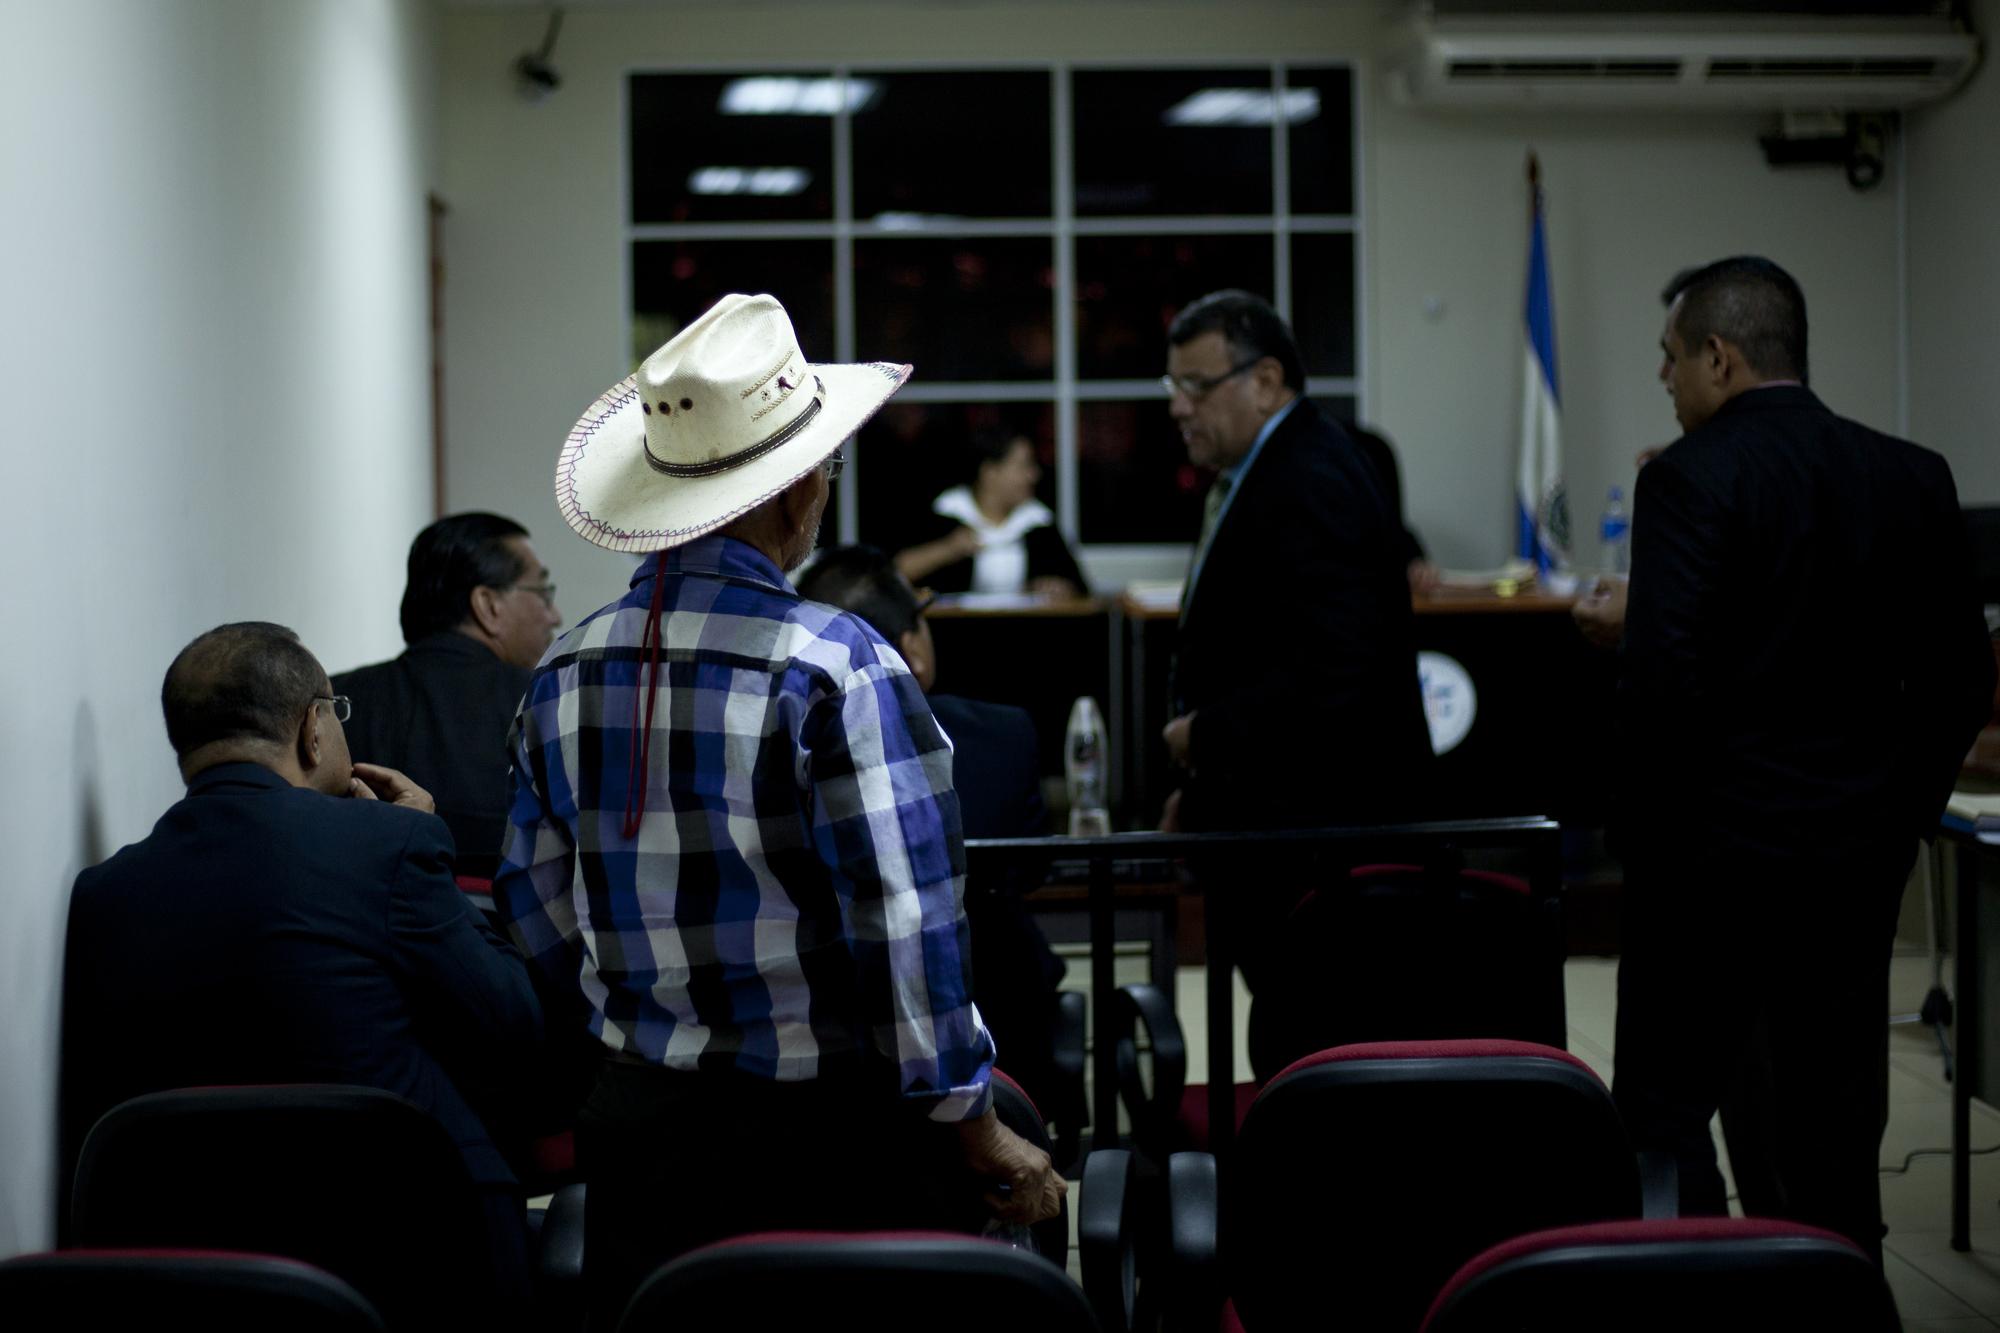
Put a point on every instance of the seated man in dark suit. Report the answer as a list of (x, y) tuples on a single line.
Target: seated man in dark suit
[(478, 611), (293, 919), (1014, 972)]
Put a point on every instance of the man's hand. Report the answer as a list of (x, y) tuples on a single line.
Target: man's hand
[(1054, 587), (1170, 813), (996, 1153), (1178, 734), (374, 782), (1600, 613), (1424, 577)]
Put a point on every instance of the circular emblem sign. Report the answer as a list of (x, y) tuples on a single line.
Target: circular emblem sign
[(1450, 701)]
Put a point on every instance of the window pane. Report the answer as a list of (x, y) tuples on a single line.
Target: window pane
[(732, 147), (980, 308), (1129, 288), (1172, 141), (674, 281), (1323, 301), (1321, 141), (1135, 481), (911, 452), (964, 143)]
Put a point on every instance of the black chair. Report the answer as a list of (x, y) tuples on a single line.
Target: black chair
[(356, 1181), (1365, 1175), (215, 1291), (864, 1279), (1714, 1274), (1396, 953)]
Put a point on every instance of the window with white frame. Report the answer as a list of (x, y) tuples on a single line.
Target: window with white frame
[(1022, 235)]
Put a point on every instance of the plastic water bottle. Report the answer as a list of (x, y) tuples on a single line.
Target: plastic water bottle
[(1615, 530), (1083, 770)]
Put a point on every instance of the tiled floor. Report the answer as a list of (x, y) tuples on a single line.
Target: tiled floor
[(1936, 1288)]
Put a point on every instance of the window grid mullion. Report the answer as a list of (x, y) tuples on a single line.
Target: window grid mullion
[(847, 517)]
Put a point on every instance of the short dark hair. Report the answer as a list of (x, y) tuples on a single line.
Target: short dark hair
[(251, 680), (991, 444), (1248, 324), (1749, 301), (863, 579), (448, 560)]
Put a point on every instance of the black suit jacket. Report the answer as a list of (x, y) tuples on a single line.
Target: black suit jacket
[(1805, 662), (1296, 648), (263, 933), (441, 713), (993, 770)]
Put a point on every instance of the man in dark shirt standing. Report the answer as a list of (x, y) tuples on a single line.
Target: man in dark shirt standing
[(1804, 664), (478, 611)]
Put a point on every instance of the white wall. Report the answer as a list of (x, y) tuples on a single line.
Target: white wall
[(1954, 275), (536, 285), (214, 402), (1631, 199)]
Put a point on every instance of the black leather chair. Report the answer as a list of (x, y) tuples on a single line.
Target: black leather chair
[(863, 1279), (1365, 1175), (356, 1181), (1712, 1274), (214, 1291)]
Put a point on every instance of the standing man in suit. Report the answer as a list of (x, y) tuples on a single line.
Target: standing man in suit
[(1295, 693), (1804, 664), (294, 920), (478, 611)]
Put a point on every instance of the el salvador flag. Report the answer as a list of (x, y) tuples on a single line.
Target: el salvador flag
[(1538, 491)]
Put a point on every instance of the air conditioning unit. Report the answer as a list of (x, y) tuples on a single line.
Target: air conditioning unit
[(1724, 61)]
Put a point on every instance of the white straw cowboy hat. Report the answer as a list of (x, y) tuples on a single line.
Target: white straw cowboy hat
[(715, 423)]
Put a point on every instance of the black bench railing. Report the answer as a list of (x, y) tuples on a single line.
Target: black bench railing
[(1117, 855)]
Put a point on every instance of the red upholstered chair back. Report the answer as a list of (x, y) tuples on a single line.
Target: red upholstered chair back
[(356, 1181), (213, 1291), (809, 1280), (1711, 1274), (1412, 953), (1365, 1175)]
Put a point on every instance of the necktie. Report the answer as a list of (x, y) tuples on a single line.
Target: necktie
[(1211, 510)]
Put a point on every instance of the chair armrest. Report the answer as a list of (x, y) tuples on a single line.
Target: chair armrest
[(1072, 1025), (1194, 1277), (559, 1257), (1659, 1185), (1106, 1243), (1153, 1117)]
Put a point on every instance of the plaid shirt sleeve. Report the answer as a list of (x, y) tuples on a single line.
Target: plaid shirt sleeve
[(885, 821), (533, 884)]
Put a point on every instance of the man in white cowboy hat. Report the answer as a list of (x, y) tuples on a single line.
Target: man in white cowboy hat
[(735, 849)]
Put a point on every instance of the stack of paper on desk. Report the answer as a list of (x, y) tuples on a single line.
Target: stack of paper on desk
[(1976, 810)]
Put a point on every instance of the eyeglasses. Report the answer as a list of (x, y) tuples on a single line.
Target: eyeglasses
[(343, 707), (1198, 387), (833, 466), (545, 591)]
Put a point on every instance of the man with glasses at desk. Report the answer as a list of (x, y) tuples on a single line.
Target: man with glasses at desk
[(478, 611)]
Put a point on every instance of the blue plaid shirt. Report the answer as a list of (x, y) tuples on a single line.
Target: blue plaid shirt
[(793, 903)]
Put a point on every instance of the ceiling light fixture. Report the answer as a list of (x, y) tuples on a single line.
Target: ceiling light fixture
[(1242, 107)]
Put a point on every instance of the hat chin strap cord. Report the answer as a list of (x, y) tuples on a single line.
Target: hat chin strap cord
[(638, 763)]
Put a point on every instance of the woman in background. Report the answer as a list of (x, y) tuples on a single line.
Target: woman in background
[(992, 535)]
